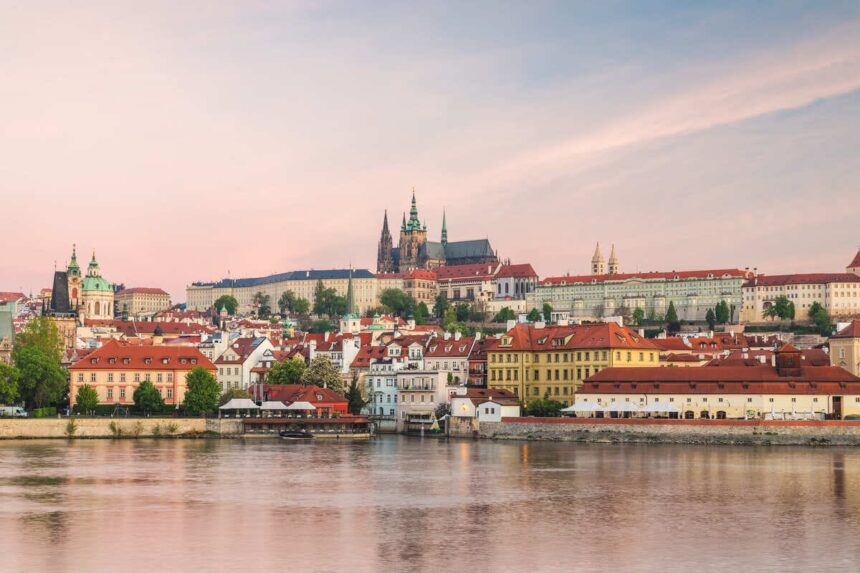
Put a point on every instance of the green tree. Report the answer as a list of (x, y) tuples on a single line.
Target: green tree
[(354, 398), (327, 302), (9, 377), (397, 302), (86, 399), (440, 305), (462, 310), (547, 312), (710, 318), (673, 325), (638, 316), (42, 381), (202, 391), (233, 393), (147, 398), (449, 318), (322, 326), (544, 407), (287, 372), (534, 315), (814, 309), (505, 315), (287, 302), (823, 321), (422, 313), (301, 306), (722, 313), (783, 308), (322, 373), (263, 303), (227, 302)]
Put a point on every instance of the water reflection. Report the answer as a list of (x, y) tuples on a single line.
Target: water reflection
[(425, 505)]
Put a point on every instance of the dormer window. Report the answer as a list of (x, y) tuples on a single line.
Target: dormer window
[(94, 360), (112, 360), (126, 360), (147, 360), (165, 360)]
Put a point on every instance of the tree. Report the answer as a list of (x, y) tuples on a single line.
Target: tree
[(86, 399), (202, 391), (638, 316), (783, 308), (710, 318), (673, 325), (227, 302), (301, 306), (147, 398), (462, 311), (770, 312), (440, 305), (353, 396), (42, 380), (449, 318), (814, 309), (422, 313), (233, 393), (287, 302), (322, 373), (823, 321), (322, 326), (722, 313), (327, 302), (544, 407), (505, 315), (263, 304), (397, 302), (534, 315), (9, 376), (287, 372), (547, 312), (41, 332)]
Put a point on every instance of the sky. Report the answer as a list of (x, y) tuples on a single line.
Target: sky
[(185, 140)]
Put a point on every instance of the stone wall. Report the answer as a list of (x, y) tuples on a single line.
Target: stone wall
[(100, 427), (752, 432)]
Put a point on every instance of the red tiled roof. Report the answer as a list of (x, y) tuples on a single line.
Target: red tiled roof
[(11, 296), (299, 393), (143, 358), (680, 358), (441, 348), (133, 328), (855, 262), (850, 331), (672, 343), (672, 275), (462, 272), (619, 380), (525, 337), (802, 279), (243, 347), (142, 290), (366, 354), (524, 270), (497, 395)]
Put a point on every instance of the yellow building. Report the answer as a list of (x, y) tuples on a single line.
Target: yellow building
[(534, 361), (845, 348), (141, 300)]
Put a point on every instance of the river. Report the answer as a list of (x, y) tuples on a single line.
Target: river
[(398, 504)]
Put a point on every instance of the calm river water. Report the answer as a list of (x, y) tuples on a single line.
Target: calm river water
[(424, 505)]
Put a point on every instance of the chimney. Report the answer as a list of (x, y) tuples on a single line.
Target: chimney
[(540, 325), (510, 324), (457, 335)]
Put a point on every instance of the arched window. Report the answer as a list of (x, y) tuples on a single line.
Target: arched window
[(97, 308), (74, 293)]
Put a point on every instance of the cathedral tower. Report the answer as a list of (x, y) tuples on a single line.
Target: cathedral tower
[(598, 265), (613, 262), (73, 274), (384, 256)]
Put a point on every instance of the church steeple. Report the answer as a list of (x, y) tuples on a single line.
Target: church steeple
[(598, 265), (444, 229), (350, 295), (384, 256), (413, 224), (403, 224), (74, 269), (613, 262)]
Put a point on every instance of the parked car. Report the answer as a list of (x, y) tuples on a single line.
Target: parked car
[(13, 412)]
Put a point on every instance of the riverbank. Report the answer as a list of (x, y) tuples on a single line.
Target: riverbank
[(36, 428), (707, 432)]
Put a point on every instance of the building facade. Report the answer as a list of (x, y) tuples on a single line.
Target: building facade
[(838, 293), (845, 348), (139, 301)]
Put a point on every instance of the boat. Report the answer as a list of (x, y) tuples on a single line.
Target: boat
[(295, 435)]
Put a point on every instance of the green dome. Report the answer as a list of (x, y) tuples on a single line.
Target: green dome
[(97, 284)]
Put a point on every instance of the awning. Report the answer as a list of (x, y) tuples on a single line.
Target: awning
[(301, 406), (240, 404), (660, 407), (582, 407), (273, 406), (622, 407)]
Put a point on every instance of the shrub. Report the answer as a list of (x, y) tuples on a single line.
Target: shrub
[(71, 427), (137, 429), (171, 428), (115, 429), (156, 430)]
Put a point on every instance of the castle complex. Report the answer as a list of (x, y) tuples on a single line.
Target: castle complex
[(414, 251)]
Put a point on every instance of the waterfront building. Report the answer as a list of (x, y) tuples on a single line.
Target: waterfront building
[(535, 361), (409, 348), (478, 362), (588, 297), (236, 363), (420, 393), (382, 387), (838, 293), (202, 295), (450, 354), (788, 388), (845, 348), (414, 251), (326, 401), (116, 370), (138, 301), (472, 405)]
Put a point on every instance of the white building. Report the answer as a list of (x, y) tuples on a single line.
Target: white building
[(420, 392), (236, 362), (382, 387)]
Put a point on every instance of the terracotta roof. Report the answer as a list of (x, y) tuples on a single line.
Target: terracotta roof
[(680, 358), (802, 279), (672, 343), (463, 272), (133, 328), (524, 270), (116, 356), (142, 290), (12, 296), (855, 262), (243, 347), (618, 380), (441, 348), (497, 395), (299, 393), (672, 275), (850, 331), (366, 354), (525, 337)]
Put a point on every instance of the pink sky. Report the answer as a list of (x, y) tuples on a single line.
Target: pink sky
[(180, 141)]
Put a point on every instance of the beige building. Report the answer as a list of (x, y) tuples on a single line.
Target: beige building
[(845, 348), (138, 301), (838, 293), (202, 295)]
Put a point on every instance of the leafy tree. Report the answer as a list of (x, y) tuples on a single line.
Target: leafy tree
[(322, 373), (397, 302), (327, 302), (638, 316), (462, 310), (233, 393), (301, 306), (86, 399), (263, 303), (287, 302), (440, 305), (505, 315), (710, 318), (547, 312), (449, 318), (814, 309), (784, 308), (42, 381), (422, 313), (228, 303), (544, 408), (322, 326), (722, 313), (202, 391), (770, 312), (823, 321), (534, 315), (9, 377), (41, 332), (287, 372), (673, 325), (353, 396), (147, 398)]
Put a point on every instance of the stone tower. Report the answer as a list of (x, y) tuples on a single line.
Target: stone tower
[(384, 257), (598, 265), (613, 262), (73, 274)]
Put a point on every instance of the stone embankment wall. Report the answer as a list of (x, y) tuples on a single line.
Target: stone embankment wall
[(728, 432), (101, 427)]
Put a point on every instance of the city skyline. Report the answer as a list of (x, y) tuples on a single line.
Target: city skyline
[(190, 143)]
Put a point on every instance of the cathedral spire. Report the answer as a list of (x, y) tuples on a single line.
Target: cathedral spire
[(385, 223), (598, 265), (444, 229), (613, 262), (414, 223), (403, 225)]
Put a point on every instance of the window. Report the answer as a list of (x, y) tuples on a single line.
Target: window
[(137, 376), (536, 391), (536, 376), (749, 400), (92, 376), (110, 376), (110, 393), (158, 378), (80, 376), (770, 399), (122, 393)]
